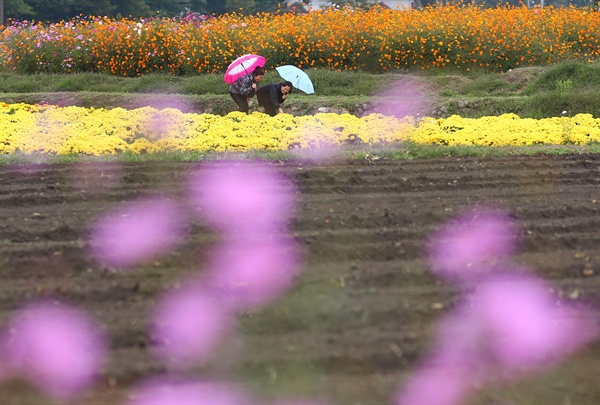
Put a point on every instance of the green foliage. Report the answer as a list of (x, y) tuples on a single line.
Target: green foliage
[(484, 85), (579, 75), (564, 86), (356, 4), (556, 103), (45, 83), (567, 88), (404, 151), (414, 151), (240, 6), (204, 84), (470, 96), (16, 9), (56, 10), (171, 8), (332, 83), (347, 83)]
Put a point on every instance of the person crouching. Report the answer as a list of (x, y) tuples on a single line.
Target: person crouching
[(271, 96), (245, 87)]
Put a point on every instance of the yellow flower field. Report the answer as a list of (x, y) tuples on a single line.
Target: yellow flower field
[(65, 130)]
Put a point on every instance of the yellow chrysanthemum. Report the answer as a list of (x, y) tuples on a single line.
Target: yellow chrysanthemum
[(92, 131)]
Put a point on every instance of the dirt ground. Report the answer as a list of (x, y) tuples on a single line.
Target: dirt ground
[(361, 313)]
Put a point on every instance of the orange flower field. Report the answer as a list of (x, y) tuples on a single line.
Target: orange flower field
[(461, 37)]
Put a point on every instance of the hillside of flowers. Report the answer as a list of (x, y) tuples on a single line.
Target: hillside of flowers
[(64, 130), (458, 37)]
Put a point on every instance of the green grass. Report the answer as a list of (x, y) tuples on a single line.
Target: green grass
[(371, 153), (333, 83), (581, 76), (533, 92), (414, 151), (486, 85), (557, 103), (567, 88), (326, 82)]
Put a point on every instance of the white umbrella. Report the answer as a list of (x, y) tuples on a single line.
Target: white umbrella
[(297, 77)]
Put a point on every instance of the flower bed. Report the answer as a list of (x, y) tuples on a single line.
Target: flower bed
[(462, 37), (64, 130)]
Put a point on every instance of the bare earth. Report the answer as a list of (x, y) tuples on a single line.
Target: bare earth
[(360, 315)]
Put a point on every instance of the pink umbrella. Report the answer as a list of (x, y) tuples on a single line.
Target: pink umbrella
[(244, 65)]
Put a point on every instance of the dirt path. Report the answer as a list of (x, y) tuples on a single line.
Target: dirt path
[(360, 314)]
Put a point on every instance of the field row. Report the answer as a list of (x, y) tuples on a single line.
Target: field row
[(360, 317)]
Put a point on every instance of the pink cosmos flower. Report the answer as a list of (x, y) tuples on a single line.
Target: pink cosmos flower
[(179, 391), (439, 384), (137, 232), (322, 154), (241, 196), (405, 98), (296, 401), (188, 324), (454, 367), (525, 326), (472, 245), (6, 370), (56, 347), (509, 326), (249, 274)]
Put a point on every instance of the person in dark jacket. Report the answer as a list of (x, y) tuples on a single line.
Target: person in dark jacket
[(272, 96), (245, 87)]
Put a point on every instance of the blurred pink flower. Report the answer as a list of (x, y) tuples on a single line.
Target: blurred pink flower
[(525, 326), (179, 391), (405, 98), (299, 401), (320, 150), (323, 155), (509, 326), (472, 245), (165, 103), (56, 347), (188, 324), (136, 232), (453, 368), (249, 274), (6, 369), (445, 384), (241, 196)]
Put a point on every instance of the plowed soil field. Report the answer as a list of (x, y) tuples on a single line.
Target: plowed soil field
[(361, 313)]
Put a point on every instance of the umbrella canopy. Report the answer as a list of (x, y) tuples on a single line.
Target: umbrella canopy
[(244, 65), (299, 79)]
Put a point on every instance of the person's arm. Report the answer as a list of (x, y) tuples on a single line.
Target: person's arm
[(280, 99), (275, 94)]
